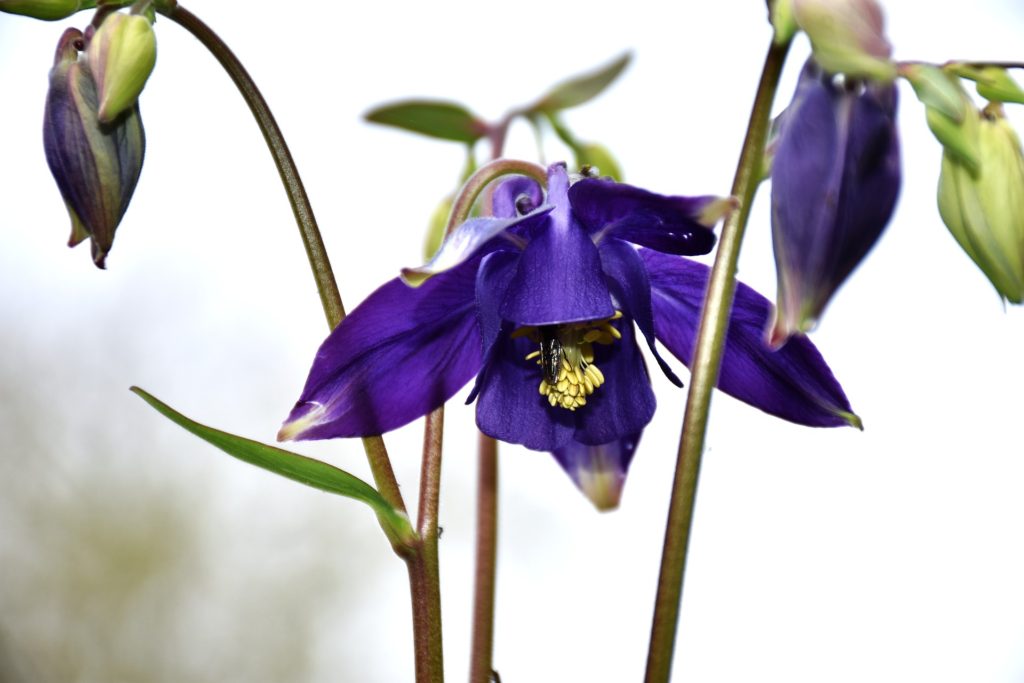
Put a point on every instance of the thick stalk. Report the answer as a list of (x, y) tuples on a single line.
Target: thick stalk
[(704, 375), (330, 298), (423, 565), (482, 647)]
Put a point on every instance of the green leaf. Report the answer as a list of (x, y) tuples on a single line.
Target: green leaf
[(296, 467), (576, 91), (445, 120)]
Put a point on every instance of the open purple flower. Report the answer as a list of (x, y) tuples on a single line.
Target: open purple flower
[(540, 303)]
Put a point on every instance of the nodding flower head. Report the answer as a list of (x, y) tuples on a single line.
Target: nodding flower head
[(543, 303)]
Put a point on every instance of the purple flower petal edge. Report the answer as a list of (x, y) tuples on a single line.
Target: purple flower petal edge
[(793, 383), (399, 355)]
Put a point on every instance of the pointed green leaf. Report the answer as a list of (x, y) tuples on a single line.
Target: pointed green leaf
[(576, 91), (445, 120), (296, 467)]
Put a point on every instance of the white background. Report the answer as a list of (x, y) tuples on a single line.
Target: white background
[(131, 551)]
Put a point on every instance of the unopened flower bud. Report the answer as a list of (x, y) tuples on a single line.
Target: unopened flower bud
[(49, 10), (847, 37), (835, 179), (985, 210), (96, 165), (121, 55)]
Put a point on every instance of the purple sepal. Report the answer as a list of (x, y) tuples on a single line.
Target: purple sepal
[(472, 238), (793, 383), (396, 357), (559, 277), (671, 224), (835, 180), (599, 471)]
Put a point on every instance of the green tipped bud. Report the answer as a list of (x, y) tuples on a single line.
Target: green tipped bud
[(847, 37), (993, 82), (985, 211), (96, 165), (49, 10), (598, 160), (121, 55)]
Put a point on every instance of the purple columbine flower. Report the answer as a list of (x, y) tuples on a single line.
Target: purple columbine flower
[(835, 179), (543, 303)]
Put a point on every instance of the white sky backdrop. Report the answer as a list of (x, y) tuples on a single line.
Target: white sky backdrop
[(891, 555)]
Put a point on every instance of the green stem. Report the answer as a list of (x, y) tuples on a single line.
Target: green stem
[(482, 650), (423, 565), (330, 298), (704, 375)]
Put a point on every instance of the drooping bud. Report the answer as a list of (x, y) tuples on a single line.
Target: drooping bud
[(96, 165), (835, 179), (121, 55), (49, 10), (847, 37), (985, 210)]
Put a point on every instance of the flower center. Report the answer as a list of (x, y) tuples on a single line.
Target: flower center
[(566, 357)]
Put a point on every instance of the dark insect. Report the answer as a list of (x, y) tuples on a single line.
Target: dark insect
[(550, 353)]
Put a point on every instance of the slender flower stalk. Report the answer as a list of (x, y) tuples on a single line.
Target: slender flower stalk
[(482, 647), (330, 297), (704, 374), (424, 568), (422, 561)]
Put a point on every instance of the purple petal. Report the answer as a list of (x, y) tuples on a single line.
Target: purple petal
[(559, 276), (492, 280), (402, 353), (466, 241), (599, 471), (515, 194), (624, 404), (835, 180), (629, 284), (672, 224), (510, 407), (793, 383)]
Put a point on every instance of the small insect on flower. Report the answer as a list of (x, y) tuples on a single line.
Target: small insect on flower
[(550, 353)]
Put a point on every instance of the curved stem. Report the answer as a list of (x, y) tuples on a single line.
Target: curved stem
[(330, 298), (706, 362), (483, 176), (482, 649)]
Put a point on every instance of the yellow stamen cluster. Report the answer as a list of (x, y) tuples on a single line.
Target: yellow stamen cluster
[(578, 377), (574, 384)]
